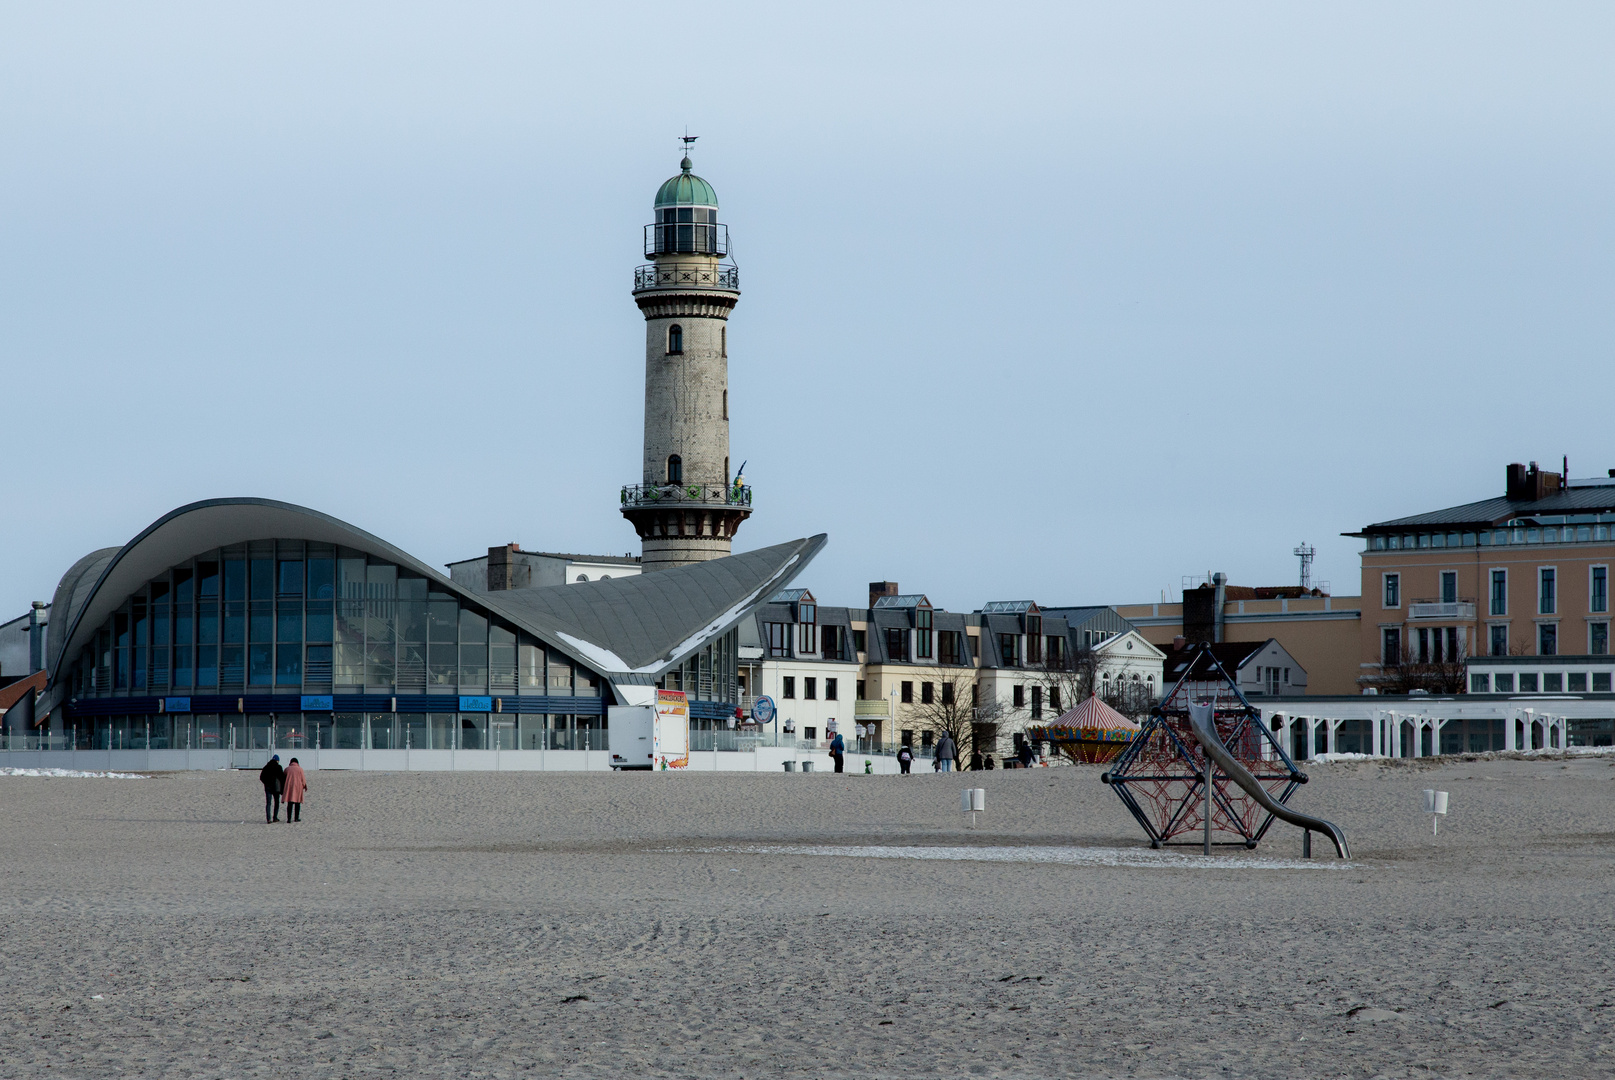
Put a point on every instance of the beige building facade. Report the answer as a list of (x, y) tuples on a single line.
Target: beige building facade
[(1323, 633), (1524, 574)]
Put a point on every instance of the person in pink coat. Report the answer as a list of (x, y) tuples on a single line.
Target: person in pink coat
[(296, 784)]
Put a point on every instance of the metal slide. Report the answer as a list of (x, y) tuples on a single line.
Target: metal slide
[(1202, 722)]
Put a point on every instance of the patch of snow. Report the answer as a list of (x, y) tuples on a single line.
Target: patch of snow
[(73, 773), (1325, 759)]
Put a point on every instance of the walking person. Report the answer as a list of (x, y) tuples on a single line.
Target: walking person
[(1025, 754), (905, 758), (273, 778), (944, 753), (975, 761), (296, 785), (837, 749)]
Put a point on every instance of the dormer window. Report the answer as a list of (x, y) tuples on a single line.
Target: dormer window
[(807, 630), (922, 635), (675, 340)]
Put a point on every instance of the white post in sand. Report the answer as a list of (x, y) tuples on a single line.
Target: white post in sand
[(973, 801), (1435, 804)]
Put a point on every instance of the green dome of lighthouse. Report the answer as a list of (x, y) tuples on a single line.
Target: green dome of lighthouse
[(686, 189)]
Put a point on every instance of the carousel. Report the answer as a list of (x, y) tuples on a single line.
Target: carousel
[(1090, 733)]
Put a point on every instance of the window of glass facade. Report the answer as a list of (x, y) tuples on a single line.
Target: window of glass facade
[(711, 674)]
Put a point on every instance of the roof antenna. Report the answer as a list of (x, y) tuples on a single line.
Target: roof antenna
[(1306, 552)]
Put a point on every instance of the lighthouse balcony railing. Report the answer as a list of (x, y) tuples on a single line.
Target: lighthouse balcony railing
[(697, 494), (686, 276), (686, 238)]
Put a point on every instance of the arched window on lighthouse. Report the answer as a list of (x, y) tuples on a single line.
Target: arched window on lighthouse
[(675, 469), (675, 339)]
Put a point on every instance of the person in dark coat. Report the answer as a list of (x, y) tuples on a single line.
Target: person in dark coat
[(905, 758), (944, 753), (837, 749), (1026, 754), (975, 761), (987, 763), (273, 777)]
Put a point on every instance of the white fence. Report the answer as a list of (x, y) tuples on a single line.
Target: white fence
[(760, 759)]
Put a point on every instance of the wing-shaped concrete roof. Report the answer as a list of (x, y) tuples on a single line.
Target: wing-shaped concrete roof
[(72, 592), (638, 626)]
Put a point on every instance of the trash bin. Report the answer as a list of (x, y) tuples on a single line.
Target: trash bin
[(807, 766), (790, 766)]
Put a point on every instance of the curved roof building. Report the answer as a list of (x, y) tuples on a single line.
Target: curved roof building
[(256, 624)]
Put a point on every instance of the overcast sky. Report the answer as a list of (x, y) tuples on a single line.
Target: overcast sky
[(1055, 302)]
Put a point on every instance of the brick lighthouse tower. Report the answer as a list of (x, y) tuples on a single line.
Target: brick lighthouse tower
[(688, 508)]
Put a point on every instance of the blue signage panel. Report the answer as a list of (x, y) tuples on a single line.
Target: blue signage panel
[(177, 704), (316, 703), (762, 710), (476, 704)]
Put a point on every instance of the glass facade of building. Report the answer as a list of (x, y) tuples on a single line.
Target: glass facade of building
[(273, 619)]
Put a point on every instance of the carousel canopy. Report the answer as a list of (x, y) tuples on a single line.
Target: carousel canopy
[(1094, 713)]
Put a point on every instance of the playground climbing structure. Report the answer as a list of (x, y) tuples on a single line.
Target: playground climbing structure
[(1163, 774)]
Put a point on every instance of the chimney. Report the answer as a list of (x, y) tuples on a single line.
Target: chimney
[(1219, 581), (1515, 488), (878, 589), (499, 567), (36, 637), (1180, 643)]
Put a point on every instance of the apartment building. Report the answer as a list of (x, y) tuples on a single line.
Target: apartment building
[(1523, 574), (888, 673)]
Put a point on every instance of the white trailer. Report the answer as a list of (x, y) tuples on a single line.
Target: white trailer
[(651, 736), (632, 731)]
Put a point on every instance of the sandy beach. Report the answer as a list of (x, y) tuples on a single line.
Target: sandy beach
[(709, 925)]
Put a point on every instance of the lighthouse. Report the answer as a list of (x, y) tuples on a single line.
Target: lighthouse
[(687, 506)]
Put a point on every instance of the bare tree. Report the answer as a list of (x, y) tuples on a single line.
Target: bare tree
[(1083, 674), (1433, 676), (953, 711), (1069, 680), (1133, 698)]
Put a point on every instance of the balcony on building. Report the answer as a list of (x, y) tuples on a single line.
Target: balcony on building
[(686, 275), (668, 495), (1448, 610)]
